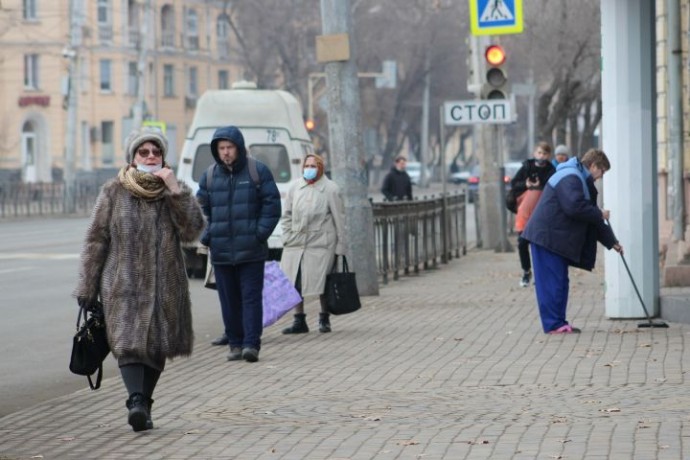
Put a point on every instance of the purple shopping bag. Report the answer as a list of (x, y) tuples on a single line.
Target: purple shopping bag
[(279, 295)]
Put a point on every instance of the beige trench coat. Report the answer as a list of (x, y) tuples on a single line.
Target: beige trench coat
[(313, 224)]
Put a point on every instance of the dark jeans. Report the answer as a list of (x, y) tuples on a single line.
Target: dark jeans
[(523, 251), (239, 291)]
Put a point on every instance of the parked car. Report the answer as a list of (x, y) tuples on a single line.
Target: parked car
[(511, 168), (414, 170), (460, 177)]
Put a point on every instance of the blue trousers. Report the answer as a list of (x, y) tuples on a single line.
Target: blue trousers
[(239, 290), (552, 283)]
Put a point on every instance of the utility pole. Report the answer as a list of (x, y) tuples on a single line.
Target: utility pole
[(142, 63), (424, 142), (72, 53), (346, 146)]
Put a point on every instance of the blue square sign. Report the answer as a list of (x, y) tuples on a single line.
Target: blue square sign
[(496, 17)]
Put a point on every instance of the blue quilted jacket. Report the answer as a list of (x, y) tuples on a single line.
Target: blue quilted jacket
[(567, 220), (241, 215)]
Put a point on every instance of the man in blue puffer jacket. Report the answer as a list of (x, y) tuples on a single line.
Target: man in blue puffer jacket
[(563, 231), (241, 215)]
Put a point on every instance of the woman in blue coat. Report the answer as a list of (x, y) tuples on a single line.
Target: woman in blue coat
[(563, 231)]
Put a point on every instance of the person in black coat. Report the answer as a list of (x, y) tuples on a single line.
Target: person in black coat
[(397, 184), (241, 215), (563, 231), (532, 176)]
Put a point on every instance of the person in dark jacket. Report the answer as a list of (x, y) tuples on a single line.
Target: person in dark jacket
[(397, 184), (241, 216), (563, 231), (531, 178)]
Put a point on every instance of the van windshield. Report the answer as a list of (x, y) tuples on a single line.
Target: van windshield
[(274, 156)]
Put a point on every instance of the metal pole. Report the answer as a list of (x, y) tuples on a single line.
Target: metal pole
[(138, 110), (444, 183), (424, 142), (71, 137), (347, 149)]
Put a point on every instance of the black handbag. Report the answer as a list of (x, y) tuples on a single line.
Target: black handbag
[(342, 296), (90, 345)]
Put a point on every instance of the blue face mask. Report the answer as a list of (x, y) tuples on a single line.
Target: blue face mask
[(309, 173)]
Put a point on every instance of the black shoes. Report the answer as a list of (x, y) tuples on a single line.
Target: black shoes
[(299, 326), (235, 354), (526, 278), (222, 340), (251, 355), (324, 322), (139, 415)]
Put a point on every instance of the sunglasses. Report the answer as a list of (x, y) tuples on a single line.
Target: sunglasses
[(146, 152)]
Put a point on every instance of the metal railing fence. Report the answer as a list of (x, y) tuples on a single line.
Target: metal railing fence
[(410, 235)]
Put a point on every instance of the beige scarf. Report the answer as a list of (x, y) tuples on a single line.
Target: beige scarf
[(141, 184)]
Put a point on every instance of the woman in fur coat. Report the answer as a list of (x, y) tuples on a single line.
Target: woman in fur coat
[(313, 224), (132, 260)]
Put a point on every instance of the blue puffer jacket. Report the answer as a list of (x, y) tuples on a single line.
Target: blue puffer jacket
[(567, 221), (240, 215)]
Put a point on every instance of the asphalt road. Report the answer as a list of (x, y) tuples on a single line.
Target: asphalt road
[(38, 270)]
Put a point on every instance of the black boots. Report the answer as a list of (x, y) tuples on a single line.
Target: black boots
[(324, 322), (299, 326), (139, 413)]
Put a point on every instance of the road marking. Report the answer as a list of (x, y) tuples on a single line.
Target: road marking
[(36, 256), (15, 270)]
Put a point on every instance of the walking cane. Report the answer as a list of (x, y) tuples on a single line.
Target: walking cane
[(649, 322)]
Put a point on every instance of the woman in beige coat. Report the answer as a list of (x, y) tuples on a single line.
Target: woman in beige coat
[(313, 224)]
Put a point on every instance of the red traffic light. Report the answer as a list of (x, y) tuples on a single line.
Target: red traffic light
[(495, 55)]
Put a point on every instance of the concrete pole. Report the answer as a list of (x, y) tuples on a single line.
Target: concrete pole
[(675, 117), (71, 137), (630, 188), (347, 149)]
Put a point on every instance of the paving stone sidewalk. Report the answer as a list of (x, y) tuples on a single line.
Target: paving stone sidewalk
[(450, 364)]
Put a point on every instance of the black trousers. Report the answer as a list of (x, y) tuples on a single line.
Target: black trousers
[(523, 251)]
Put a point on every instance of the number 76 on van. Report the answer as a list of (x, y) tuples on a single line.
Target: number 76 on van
[(497, 111)]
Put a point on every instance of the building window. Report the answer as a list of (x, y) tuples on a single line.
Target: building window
[(132, 78), (192, 29), (133, 23), (223, 79), (107, 146), (168, 80), (168, 26), (103, 15), (29, 9), (103, 12), (222, 33), (192, 82), (106, 75), (31, 71)]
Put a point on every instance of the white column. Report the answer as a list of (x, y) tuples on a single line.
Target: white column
[(630, 188)]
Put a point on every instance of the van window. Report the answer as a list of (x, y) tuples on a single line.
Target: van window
[(274, 156)]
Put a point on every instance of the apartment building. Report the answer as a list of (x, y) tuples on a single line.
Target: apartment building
[(132, 59)]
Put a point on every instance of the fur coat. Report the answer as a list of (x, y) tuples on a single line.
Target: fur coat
[(132, 258)]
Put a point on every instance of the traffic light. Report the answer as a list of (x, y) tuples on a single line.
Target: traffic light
[(309, 124), (496, 80)]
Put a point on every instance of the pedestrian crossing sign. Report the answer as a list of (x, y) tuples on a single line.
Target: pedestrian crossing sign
[(496, 17)]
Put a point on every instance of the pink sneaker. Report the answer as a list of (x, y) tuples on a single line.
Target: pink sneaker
[(565, 329)]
